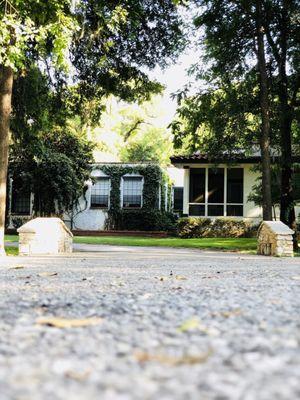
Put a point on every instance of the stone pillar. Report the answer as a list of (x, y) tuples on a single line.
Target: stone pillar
[(275, 239)]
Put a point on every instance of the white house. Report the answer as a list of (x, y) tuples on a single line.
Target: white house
[(131, 191), (218, 187)]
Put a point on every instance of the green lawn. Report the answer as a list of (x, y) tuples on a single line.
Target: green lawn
[(233, 244), (245, 245)]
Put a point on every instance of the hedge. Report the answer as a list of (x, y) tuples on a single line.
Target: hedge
[(195, 227)]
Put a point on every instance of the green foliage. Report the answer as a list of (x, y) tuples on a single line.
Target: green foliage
[(118, 39), (54, 167), (256, 193), (218, 120), (49, 154), (144, 220), (151, 144), (195, 227), (133, 132), (225, 114), (28, 28)]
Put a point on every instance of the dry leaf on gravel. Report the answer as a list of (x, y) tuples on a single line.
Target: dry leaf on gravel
[(161, 278), (296, 278), (143, 357), (180, 278), (195, 324), (68, 323), (78, 376), (46, 274), (17, 267), (231, 313), (189, 325)]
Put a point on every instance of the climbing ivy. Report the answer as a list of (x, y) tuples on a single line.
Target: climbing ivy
[(148, 217)]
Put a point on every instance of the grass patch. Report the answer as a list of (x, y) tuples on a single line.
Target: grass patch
[(11, 251), (245, 245), (11, 238), (229, 244)]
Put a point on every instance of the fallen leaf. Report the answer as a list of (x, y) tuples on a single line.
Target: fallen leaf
[(46, 274), (88, 278), (161, 278), (17, 267), (189, 325), (296, 278), (78, 376), (231, 313), (180, 278), (68, 323), (171, 360), (195, 324)]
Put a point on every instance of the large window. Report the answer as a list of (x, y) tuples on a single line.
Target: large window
[(100, 193), (197, 191), (21, 203), (132, 191), (216, 192)]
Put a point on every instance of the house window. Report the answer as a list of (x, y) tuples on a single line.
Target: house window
[(197, 191), (235, 191), (178, 198), (216, 192), (100, 193), (132, 191), (21, 203), (215, 195)]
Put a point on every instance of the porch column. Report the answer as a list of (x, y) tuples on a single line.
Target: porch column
[(186, 190)]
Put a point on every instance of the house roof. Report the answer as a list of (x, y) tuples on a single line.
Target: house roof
[(238, 158)]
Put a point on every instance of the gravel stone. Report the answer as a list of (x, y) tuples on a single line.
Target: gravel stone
[(220, 326)]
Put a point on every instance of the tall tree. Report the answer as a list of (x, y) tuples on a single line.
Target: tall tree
[(26, 28), (230, 47), (283, 36), (108, 43), (265, 115)]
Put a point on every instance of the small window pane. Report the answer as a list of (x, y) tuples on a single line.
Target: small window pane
[(100, 193), (197, 210), (216, 185), (178, 198), (197, 185), (132, 192), (21, 203), (235, 211), (235, 185), (215, 211)]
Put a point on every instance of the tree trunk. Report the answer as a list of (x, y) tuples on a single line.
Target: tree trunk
[(6, 83), (265, 111), (287, 209)]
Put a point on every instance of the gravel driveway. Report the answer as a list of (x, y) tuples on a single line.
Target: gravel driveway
[(146, 323)]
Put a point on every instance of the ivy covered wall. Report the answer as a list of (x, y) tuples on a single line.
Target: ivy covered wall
[(152, 214)]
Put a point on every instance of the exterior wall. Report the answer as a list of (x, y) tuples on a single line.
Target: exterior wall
[(251, 212), (87, 218), (186, 191)]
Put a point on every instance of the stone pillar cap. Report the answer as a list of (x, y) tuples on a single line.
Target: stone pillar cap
[(40, 225), (277, 227)]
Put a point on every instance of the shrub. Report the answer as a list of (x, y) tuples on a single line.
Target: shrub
[(195, 227), (142, 220)]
